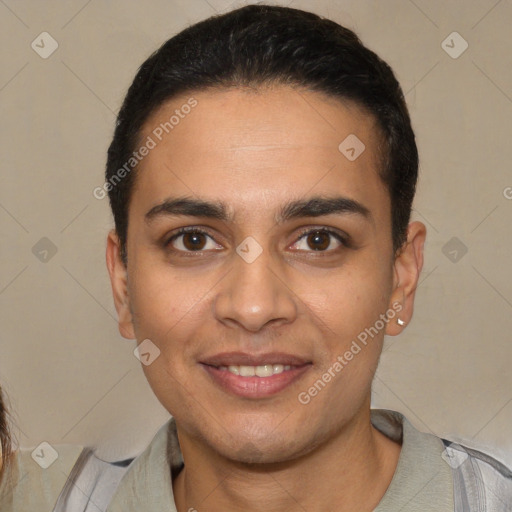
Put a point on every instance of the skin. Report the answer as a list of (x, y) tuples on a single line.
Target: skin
[(255, 150)]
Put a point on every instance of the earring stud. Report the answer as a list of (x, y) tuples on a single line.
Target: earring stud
[(399, 321)]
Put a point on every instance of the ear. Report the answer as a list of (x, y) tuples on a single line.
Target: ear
[(407, 270), (119, 281)]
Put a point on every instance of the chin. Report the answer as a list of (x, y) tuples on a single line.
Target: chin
[(261, 453), (273, 447)]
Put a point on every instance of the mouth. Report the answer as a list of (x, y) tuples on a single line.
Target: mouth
[(254, 376), (265, 370)]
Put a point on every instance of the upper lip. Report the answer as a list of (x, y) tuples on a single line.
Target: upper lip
[(245, 359)]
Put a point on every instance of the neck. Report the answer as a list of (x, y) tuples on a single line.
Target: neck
[(350, 472)]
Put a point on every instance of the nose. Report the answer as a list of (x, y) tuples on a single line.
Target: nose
[(253, 295)]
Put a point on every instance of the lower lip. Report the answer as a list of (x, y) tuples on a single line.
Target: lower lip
[(255, 387)]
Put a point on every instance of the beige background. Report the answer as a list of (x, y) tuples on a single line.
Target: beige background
[(70, 376)]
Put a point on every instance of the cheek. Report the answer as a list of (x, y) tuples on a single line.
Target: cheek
[(348, 313), (169, 383), (163, 301), (349, 299)]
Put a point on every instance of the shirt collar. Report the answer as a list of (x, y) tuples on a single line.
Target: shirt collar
[(422, 480)]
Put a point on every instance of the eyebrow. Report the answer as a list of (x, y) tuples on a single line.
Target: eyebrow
[(312, 207)]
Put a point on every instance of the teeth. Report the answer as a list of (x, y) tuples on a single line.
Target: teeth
[(247, 371), (277, 368), (265, 370), (233, 369)]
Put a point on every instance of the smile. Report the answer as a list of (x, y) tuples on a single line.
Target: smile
[(254, 376), (265, 370)]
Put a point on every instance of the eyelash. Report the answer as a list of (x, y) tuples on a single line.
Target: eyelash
[(344, 241)]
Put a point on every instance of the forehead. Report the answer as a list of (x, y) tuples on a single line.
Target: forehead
[(249, 147)]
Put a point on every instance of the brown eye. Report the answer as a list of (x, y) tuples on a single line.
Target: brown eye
[(319, 241), (192, 240)]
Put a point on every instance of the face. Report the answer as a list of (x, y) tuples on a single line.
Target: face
[(286, 259)]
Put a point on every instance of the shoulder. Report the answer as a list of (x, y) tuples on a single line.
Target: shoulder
[(59, 478), (465, 479), (34, 478), (146, 484), (479, 479)]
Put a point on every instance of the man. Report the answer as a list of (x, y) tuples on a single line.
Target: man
[(261, 178)]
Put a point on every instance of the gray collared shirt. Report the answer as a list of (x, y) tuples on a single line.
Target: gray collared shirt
[(432, 474)]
